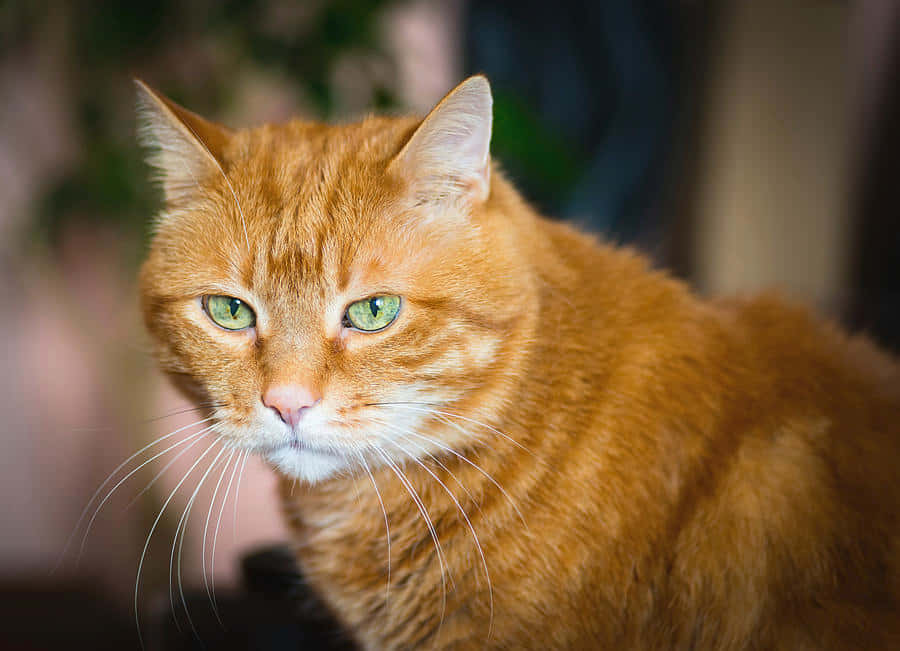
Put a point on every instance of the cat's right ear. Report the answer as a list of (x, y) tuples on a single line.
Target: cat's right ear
[(183, 147), (448, 156)]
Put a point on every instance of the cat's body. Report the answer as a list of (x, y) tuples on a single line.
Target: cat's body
[(697, 475), (641, 469)]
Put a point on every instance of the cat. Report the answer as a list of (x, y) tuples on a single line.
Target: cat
[(495, 431)]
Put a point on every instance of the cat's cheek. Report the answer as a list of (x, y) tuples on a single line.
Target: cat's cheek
[(240, 344), (350, 340), (478, 352)]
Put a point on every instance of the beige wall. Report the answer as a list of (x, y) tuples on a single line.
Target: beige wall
[(771, 210)]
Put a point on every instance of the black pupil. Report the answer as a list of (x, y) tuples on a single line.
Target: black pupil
[(375, 305), (233, 306)]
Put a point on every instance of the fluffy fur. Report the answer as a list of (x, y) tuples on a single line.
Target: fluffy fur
[(606, 460)]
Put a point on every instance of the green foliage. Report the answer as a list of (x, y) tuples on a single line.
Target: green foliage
[(533, 154), (108, 43), (191, 51)]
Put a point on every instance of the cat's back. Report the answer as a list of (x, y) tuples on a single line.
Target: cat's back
[(774, 444), (765, 352), (842, 390), (804, 520)]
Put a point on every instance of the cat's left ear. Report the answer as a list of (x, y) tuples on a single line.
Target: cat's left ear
[(448, 156), (185, 148)]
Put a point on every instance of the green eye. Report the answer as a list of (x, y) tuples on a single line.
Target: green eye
[(371, 314), (229, 312)]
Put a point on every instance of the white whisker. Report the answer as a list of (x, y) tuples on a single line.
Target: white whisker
[(161, 472), (147, 421), (404, 433), (109, 477), (90, 524), (203, 406), (464, 459), (182, 528), (209, 511), (212, 558), (237, 495), (461, 417), (137, 581), (431, 530), (465, 516), (387, 529), (355, 484)]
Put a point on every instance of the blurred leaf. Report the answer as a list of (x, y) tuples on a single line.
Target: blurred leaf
[(530, 151), (108, 42)]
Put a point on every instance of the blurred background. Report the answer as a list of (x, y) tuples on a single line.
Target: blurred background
[(745, 144)]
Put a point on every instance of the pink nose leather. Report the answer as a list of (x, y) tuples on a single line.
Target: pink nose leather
[(291, 401)]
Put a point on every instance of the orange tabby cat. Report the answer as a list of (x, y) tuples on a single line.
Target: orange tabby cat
[(507, 434)]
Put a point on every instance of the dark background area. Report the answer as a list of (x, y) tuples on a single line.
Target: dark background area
[(743, 144)]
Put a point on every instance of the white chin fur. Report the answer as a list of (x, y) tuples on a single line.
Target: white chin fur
[(304, 464)]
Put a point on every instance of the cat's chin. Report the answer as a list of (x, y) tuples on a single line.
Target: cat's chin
[(304, 464)]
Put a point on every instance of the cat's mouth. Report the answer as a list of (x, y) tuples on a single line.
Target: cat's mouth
[(298, 444), (300, 459)]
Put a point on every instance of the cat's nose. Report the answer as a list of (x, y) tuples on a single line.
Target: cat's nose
[(291, 401)]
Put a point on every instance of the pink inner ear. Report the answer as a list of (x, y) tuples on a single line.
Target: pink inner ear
[(184, 147), (450, 152)]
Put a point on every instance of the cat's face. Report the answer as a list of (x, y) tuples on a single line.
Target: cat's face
[(327, 288)]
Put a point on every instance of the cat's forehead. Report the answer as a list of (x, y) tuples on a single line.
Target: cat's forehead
[(318, 204), (307, 211), (305, 156)]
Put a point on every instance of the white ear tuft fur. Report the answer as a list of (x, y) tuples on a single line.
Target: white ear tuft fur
[(184, 148), (449, 154)]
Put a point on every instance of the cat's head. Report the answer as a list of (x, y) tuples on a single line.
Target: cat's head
[(331, 289)]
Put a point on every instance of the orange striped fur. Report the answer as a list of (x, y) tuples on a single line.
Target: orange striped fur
[(606, 460)]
